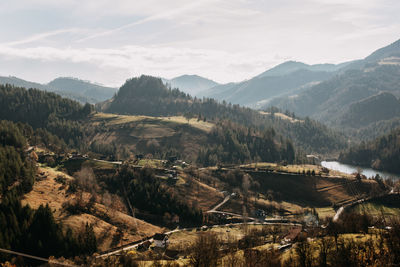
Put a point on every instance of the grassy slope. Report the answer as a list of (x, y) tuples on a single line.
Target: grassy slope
[(293, 192), (135, 133), (200, 194), (282, 116), (114, 119), (389, 205), (49, 191)]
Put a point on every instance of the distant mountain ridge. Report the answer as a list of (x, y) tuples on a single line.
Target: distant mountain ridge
[(292, 66), (93, 92), (191, 84), (283, 79), (291, 78), (363, 93), (384, 52), (22, 83), (383, 106), (73, 88)]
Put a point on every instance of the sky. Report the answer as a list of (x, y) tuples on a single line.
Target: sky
[(225, 40)]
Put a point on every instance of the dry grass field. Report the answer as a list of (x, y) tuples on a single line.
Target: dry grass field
[(114, 119), (149, 135), (283, 191), (389, 206), (281, 116), (201, 195), (112, 227)]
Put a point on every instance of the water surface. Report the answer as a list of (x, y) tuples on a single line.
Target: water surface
[(349, 169)]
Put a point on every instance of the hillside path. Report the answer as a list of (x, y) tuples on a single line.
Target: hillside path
[(220, 204)]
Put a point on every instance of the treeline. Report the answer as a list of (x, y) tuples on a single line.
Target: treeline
[(25, 133), (141, 189), (313, 136), (232, 143), (149, 96), (16, 169), (307, 134), (382, 153), (43, 110)]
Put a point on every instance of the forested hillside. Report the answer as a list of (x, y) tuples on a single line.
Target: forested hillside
[(383, 153), (21, 227), (59, 116), (16, 169), (339, 101), (231, 143), (150, 197), (381, 107), (362, 95), (148, 96)]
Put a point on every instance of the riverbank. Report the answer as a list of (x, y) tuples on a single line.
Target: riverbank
[(349, 169)]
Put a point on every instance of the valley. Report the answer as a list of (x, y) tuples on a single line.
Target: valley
[(151, 175), (236, 200)]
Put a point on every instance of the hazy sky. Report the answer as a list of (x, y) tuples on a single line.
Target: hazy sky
[(225, 40)]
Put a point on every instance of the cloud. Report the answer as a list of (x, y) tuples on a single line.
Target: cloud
[(226, 40), (42, 36), (170, 13), (159, 61)]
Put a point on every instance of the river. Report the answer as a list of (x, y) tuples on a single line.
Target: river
[(337, 166)]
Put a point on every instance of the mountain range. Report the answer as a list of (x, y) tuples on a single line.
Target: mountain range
[(79, 90), (191, 84), (338, 95), (281, 80), (359, 96), (290, 79), (88, 92)]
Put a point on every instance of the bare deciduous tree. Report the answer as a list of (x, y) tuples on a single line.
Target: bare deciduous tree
[(205, 251)]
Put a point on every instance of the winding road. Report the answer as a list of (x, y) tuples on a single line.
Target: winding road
[(256, 221)]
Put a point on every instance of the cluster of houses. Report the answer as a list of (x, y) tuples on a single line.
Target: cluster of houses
[(160, 240)]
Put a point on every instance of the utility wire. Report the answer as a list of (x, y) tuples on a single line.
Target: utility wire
[(35, 257)]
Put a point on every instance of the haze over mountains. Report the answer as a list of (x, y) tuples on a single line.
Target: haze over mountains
[(86, 91), (285, 78), (292, 78), (191, 84), (339, 95), (79, 90), (370, 86)]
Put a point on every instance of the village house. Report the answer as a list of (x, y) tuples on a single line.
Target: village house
[(161, 240), (293, 235)]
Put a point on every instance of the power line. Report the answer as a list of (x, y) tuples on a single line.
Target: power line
[(35, 257)]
